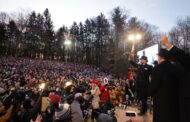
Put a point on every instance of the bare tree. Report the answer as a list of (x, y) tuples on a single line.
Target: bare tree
[(180, 35), (4, 17)]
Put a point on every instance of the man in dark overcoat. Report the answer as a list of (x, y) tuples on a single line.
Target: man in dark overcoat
[(164, 90), (184, 86), (142, 81)]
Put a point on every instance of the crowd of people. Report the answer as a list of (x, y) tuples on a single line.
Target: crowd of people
[(53, 91), (58, 91)]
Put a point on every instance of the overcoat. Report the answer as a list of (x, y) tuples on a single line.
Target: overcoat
[(164, 90)]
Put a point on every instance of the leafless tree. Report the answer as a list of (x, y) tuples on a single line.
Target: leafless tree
[(180, 34)]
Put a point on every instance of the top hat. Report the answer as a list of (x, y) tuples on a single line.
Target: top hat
[(144, 58), (163, 53)]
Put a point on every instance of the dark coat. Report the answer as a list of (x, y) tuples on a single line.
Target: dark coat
[(184, 86), (29, 114), (164, 90), (142, 79), (184, 60)]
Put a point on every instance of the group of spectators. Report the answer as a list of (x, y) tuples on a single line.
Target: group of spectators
[(52, 91)]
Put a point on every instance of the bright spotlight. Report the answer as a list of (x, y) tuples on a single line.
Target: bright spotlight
[(131, 37), (138, 37), (67, 42)]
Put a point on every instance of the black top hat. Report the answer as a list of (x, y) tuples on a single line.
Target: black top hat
[(163, 53), (144, 57)]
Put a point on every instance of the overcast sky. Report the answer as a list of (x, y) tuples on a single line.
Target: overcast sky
[(162, 13)]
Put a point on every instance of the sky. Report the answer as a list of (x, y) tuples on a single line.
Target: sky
[(161, 13)]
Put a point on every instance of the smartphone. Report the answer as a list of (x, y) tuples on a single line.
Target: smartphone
[(130, 113)]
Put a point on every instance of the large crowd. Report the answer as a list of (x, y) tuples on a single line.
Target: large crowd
[(56, 91)]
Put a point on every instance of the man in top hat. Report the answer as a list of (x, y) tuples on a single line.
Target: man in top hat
[(164, 90), (142, 81), (183, 59)]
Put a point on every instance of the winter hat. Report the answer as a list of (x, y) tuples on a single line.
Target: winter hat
[(63, 112), (95, 82), (106, 82), (54, 98), (78, 95)]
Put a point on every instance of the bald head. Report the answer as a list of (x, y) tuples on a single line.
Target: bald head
[(164, 39), (165, 42)]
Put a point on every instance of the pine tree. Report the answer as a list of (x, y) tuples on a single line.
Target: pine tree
[(31, 36), (48, 37), (74, 35), (87, 41), (39, 30), (119, 22), (81, 43), (102, 38), (2, 38), (60, 47), (13, 35)]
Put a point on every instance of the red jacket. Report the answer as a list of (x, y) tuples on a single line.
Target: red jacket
[(104, 93)]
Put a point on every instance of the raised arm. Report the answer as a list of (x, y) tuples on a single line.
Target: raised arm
[(176, 53)]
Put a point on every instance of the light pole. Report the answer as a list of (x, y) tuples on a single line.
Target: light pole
[(67, 44), (134, 38)]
